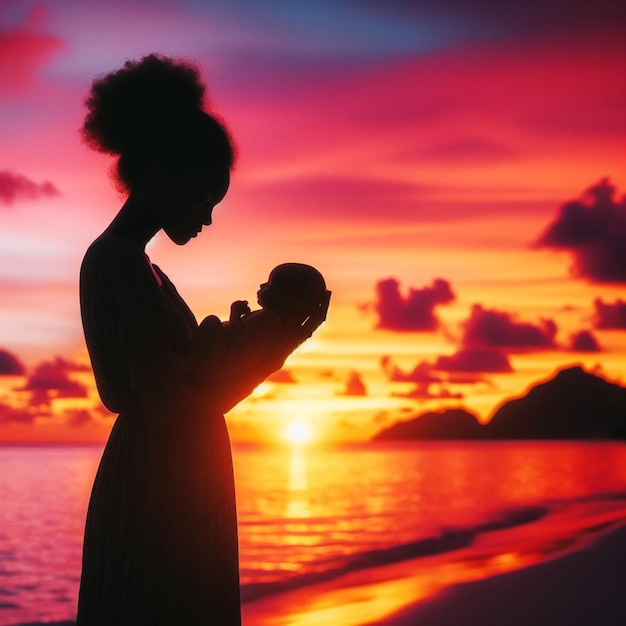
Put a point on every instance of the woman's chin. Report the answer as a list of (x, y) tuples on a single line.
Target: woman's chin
[(180, 239)]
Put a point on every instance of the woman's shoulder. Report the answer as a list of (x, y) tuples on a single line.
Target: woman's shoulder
[(113, 246), (114, 256)]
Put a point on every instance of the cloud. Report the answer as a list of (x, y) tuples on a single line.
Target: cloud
[(282, 376), (354, 385), (499, 329), (422, 373), (423, 392), (462, 368), (23, 50), (10, 365), (593, 230), (9, 414), (610, 316), (584, 341), (15, 187), (474, 359), (79, 418), (415, 312), (53, 375)]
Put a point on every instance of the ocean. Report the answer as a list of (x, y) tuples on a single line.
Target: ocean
[(308, 515)]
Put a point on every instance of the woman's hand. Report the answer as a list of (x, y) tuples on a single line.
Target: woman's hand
[(309, 320)]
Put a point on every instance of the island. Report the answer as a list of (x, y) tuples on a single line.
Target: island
[(573, 404)]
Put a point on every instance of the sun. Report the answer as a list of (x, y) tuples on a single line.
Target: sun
[(298, 433)]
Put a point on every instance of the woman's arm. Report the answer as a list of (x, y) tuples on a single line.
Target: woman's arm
[(234, 386)]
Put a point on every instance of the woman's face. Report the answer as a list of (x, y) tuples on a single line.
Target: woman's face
[(193, 197)]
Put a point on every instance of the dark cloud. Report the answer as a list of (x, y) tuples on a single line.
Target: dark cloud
[(593, 230), (474, 359), (499, 329), (10, 365), (415, 312), (53, 376), (610, 316), (354, 385), (15, 187), (584, 341)]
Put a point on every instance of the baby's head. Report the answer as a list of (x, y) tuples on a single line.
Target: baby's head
[(292, 285)]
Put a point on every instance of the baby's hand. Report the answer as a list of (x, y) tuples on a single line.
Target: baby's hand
[(238, 309)]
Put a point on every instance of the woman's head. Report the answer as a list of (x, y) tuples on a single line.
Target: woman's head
[(150, 113)]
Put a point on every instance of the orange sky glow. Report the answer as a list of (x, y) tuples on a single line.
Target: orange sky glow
[(406, 159)]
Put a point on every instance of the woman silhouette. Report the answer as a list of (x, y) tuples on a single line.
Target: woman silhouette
[(160, 542)]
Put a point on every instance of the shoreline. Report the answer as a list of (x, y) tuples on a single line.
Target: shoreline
[(560, 583), (537, 576), (578, 588)]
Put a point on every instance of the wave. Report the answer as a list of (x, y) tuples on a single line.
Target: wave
[(446, 541)]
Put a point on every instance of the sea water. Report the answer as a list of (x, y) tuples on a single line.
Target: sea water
[(308, 514)]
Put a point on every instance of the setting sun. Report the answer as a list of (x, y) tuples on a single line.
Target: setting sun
[(298, 432)]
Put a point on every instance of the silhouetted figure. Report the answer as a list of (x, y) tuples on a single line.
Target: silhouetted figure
[(246, 340), (161, 533)]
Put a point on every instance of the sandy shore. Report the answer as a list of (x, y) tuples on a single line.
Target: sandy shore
[(580, 582), (581, 588)]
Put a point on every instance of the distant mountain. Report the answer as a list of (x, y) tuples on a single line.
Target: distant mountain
[(449, 424), (574, 404)]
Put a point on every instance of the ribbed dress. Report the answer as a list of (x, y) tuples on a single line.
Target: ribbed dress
[(160, 543)]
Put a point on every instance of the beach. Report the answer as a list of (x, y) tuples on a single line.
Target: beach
[(508, 533), (563, 583), (581, 588), (581, 583)]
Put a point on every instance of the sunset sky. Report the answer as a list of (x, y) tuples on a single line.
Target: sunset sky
[(455, 168)]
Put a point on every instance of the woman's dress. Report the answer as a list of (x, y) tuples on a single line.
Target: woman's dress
[(160, 542)]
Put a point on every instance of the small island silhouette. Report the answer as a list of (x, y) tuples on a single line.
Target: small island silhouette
[(574, 404)]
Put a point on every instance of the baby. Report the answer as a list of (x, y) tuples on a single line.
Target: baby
[(291, 294)]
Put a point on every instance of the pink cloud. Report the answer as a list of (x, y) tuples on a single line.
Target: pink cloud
[(413, 312), (610, 316), (16, 187), (474, 359), (9, 414), (53, 375), (584, 341), (24, 50), (499, 329)]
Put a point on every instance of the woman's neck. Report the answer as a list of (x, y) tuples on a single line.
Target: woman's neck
[(137, 220)]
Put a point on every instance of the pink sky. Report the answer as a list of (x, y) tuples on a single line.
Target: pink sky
[(381, 140)]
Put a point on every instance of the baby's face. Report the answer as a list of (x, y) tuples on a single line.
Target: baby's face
[(262, 292), (270, 293)]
